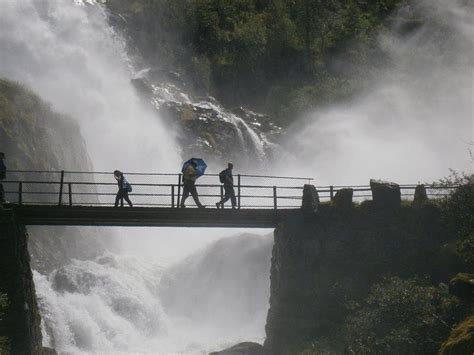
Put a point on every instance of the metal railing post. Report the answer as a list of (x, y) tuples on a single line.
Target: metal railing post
[(172, 196), (20, 193), (61, 188), (238, 191), (69, 185), (275, 204), (331, 192), (179, 191)]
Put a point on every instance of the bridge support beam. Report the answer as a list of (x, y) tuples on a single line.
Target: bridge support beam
[(20, 331)]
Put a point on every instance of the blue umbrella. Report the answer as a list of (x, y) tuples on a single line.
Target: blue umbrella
[(200, 166)]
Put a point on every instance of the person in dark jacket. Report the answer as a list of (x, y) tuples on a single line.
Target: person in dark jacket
[(189, 185), (228, 180), (3, 175), (124, 189)]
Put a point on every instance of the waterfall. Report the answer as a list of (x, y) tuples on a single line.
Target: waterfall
[(67, 53), (119, 303)]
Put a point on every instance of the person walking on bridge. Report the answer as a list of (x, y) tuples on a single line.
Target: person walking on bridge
[(225, 177), (124, 189), (189, 185), (3, 175)]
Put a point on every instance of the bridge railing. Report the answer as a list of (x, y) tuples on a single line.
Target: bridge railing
[(74, 188)]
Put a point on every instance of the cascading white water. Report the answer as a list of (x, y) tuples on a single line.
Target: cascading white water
[(68, 54), (114, 303), (416, 119)]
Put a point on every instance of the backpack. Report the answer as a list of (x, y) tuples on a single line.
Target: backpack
[(128, 187), (222, 176)]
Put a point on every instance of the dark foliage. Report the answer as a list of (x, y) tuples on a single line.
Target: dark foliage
[(279, 56)]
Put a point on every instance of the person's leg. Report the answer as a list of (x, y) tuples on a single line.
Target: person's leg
[(232, 196), (125, 196), (225, 198), (117, 198), (194, 193), (185, 194), (2, 194)]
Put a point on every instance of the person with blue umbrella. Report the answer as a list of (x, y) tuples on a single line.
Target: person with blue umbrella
[(192, 169)]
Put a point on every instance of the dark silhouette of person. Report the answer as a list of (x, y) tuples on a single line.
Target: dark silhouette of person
[(124, 189), (189, 185), (228, 180), (3, 175)]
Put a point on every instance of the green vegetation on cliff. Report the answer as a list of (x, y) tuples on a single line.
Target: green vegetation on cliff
[(279, 56)]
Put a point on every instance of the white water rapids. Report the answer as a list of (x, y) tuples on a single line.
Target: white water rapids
[(114, 304)]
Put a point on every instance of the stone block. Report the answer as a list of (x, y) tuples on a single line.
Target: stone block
[(420, 195), (385, 194), (343, 198), (310, 198)]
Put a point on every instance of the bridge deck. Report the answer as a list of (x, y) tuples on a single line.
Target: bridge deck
[(150, 217)]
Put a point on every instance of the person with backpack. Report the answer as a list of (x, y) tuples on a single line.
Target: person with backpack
[(226, 178), (189, 185), (124, 189), (3, 175)]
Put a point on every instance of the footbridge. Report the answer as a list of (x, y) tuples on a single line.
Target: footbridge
[(87, 199)]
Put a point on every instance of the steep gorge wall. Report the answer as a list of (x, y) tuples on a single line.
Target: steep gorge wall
[(20, 331), (324, 261)]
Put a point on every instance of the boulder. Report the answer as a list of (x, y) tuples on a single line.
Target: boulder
[(420, 195), (385, 194), (246, 348), (310, 198), (462, 286), (461, 339), (343, 198)]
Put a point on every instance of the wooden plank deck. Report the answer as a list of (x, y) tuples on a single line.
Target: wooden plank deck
[(150, 217)]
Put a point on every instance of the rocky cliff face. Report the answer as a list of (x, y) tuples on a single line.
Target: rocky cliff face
[(34, 137), (204, 127), (324, 265), (20, 331)]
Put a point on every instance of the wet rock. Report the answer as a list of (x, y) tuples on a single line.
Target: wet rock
[(209, 129), (310, 198), (420, 195), (204, 126), (259, 121), (461, 339), (48, 351), (246, 348), (63, 282), (143, 87), (385, 194), (462, 286), (343, 198)]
